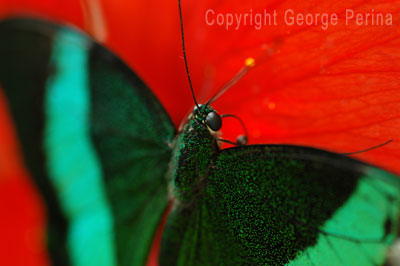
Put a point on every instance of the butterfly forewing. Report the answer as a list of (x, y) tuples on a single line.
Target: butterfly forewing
[(94, 138)]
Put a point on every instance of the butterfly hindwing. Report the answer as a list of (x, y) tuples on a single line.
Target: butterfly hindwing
[(94, 138), (285, 205)]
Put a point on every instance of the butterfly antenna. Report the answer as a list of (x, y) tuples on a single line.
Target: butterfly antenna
[(184, 55), (227, 141), (249, 63), (368, 149), (241, 140)]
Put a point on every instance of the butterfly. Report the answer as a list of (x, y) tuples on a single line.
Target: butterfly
[(107, 159)]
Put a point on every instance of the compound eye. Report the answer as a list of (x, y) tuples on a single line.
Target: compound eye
[(214, 121)]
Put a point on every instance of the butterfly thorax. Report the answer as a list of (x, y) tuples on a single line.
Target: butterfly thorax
[(195, 149)]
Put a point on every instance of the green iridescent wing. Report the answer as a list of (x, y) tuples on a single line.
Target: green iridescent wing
[(94, 138), (285, 205)]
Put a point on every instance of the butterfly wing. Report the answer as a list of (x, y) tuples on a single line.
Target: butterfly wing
[(94, 138), (286, 205)]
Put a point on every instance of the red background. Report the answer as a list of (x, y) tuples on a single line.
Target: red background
[(335, 89)]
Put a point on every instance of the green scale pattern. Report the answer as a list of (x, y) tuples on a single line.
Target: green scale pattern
[(267, 204), (273, 205), (193, 153)]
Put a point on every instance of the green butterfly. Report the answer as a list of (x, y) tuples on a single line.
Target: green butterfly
[(107, 159)]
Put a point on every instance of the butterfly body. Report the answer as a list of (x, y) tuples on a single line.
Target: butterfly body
[(195, 150), (97, 144)]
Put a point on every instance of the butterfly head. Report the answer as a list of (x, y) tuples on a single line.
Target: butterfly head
[(208, 117)]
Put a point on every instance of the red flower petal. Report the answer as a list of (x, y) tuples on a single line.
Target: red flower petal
[(22, 224), (336, 89), (70, 12)]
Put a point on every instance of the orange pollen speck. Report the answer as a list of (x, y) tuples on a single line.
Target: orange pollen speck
[(250, 62)]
